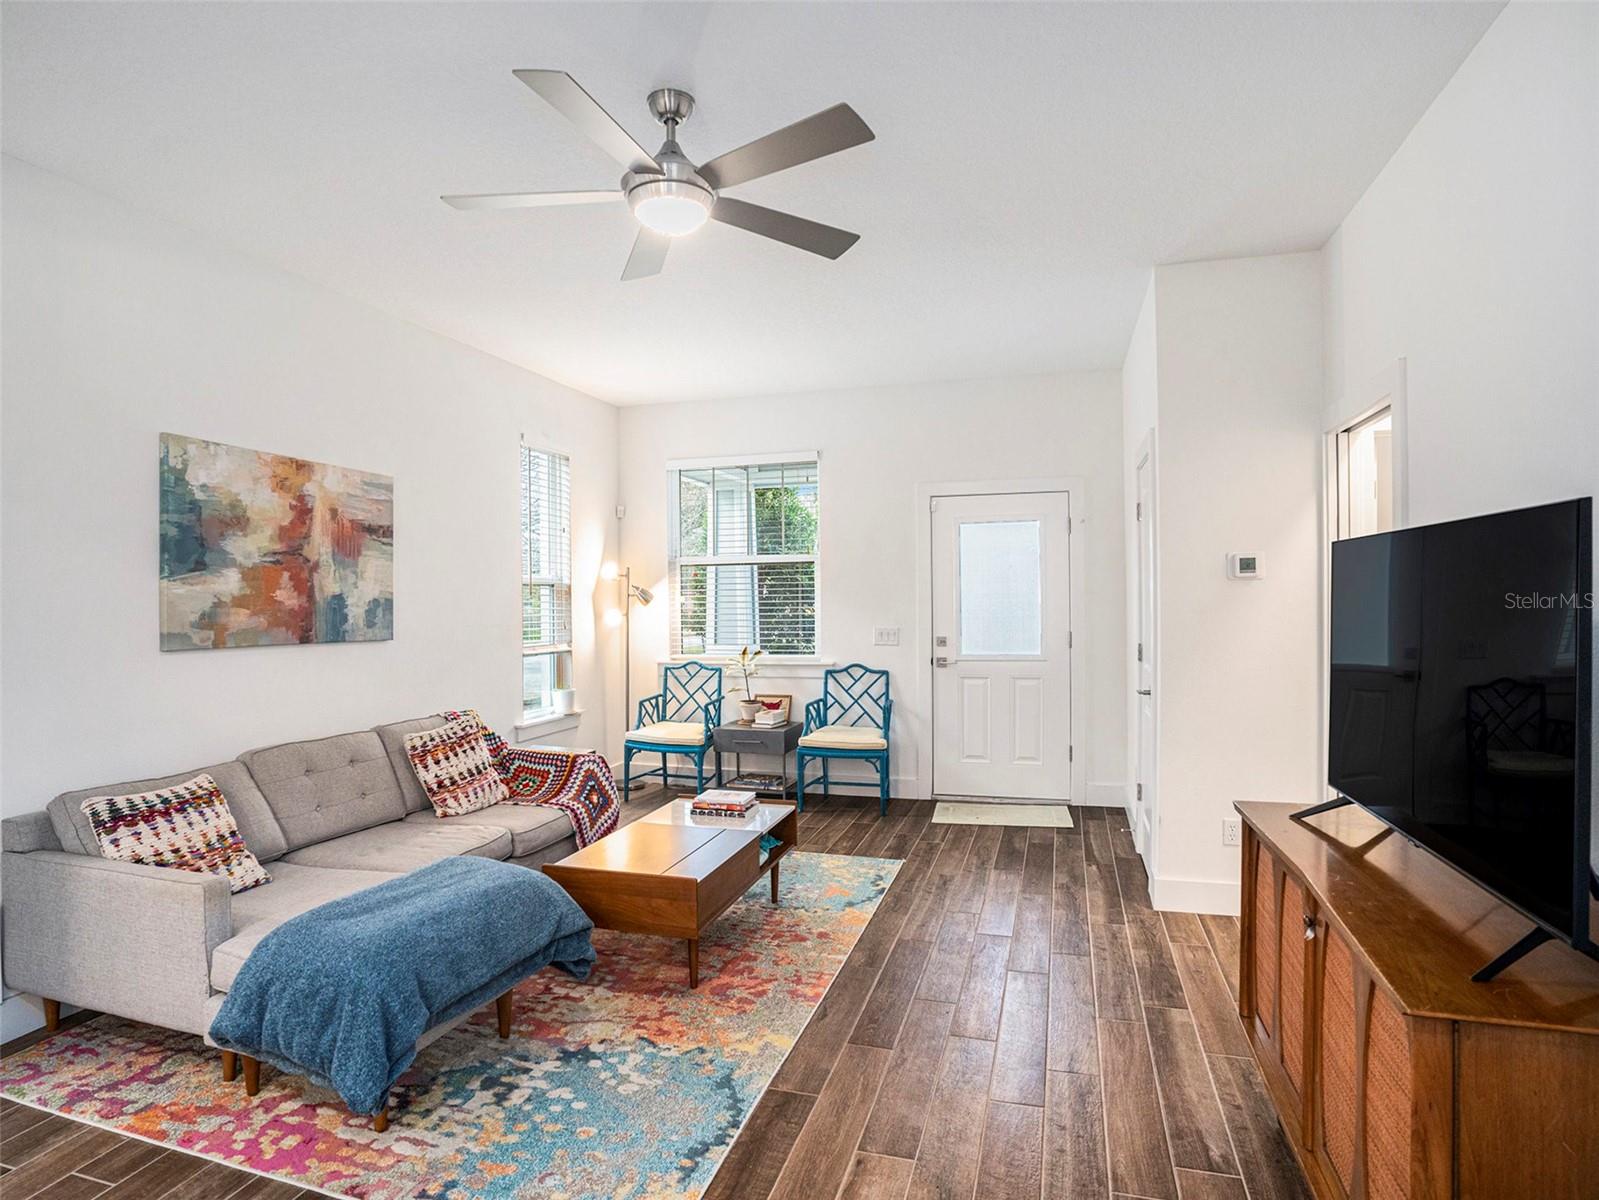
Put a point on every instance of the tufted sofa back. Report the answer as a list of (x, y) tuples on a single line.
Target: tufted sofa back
[(327, 787), (258, 824)]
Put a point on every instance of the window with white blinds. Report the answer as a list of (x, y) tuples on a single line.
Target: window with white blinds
[(745, 558), (546, 576)]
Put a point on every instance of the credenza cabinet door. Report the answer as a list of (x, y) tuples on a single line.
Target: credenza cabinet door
[(1292, 998), (1336, 1114), (1278, 959), (1265, 950)]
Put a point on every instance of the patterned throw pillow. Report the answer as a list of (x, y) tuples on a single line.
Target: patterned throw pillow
[(453, 765), (187, 826)]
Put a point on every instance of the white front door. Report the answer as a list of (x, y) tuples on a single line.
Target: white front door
[(1002, 646), (1144, 792)]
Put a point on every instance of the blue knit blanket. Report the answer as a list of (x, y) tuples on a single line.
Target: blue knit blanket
[(341, 993)]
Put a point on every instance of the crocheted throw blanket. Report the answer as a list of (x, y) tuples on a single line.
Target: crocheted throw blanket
[(578, 782)]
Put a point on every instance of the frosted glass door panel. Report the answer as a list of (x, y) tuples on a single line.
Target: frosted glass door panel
[(1000, 604)]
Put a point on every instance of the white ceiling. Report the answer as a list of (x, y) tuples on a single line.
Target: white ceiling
[(1031, 163)]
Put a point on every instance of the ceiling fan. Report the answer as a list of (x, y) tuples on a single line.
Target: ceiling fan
[(668, 194)]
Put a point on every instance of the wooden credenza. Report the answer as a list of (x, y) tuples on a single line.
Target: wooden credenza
[(1394, 1075)]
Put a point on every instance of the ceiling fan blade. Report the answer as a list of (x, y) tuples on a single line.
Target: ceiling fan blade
[(827, 132), (529, 199), (577, 106), (784, 227), (649, 254)]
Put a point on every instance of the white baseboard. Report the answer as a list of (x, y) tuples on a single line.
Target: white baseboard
[(1107, 795), (1195, 895)]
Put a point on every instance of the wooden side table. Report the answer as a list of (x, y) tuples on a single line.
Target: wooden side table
[(779, 741)]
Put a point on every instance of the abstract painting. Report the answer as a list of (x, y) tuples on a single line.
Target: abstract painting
[(260, 549)]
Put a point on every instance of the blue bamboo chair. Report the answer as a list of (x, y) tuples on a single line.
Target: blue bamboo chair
[(679, 719), (849, 721)]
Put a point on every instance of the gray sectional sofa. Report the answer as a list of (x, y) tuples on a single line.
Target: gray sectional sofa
[(326, 818)]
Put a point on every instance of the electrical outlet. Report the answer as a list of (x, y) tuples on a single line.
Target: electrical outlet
[(1232, 831), (885, 636)]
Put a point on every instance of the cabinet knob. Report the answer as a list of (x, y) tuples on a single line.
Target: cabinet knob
[(1310, 928)]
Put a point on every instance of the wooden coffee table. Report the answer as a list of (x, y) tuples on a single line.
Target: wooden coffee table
[(673, 873)]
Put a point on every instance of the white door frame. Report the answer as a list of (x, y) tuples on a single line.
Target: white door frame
[(1144, 839), (1386, 389), (1076, 659)]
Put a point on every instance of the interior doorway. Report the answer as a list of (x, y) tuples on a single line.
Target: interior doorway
[(1001, 645), (1364, 458)]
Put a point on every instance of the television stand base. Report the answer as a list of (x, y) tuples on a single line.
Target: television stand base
[(1325, 806), (1536, 937)]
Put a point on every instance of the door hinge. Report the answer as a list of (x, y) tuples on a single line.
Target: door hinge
[(1138, 511), (1069, 641), (1140, 796), (1140, 651), (1071, 753)]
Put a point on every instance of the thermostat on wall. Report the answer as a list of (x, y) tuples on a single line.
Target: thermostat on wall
[(1243, 566)]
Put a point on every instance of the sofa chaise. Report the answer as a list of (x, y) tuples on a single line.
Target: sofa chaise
[(326, 817)]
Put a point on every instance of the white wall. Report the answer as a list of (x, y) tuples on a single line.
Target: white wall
[(1474, 256), (1238, 372), (118, 326), (878, 445)]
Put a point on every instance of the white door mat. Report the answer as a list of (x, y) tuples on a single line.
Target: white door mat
[(1048, 816)]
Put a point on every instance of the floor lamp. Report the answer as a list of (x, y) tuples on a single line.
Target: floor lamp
[(624, 617)]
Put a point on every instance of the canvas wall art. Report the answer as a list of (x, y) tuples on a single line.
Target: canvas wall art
[(260, 549)]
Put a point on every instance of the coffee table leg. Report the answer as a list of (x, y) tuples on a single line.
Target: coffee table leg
[(693, 962), (776, 867)]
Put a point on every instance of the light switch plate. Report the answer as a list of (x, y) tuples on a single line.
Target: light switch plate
[(884, 635)]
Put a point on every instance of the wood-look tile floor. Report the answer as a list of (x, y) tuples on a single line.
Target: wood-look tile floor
[(1016, 1023)]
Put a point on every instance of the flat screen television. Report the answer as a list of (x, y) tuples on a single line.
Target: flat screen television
[(1461, 706)]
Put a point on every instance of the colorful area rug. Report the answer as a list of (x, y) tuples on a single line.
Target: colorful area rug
[(625, 1085)]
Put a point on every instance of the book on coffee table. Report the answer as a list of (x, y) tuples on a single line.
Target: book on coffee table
[(724, 802)]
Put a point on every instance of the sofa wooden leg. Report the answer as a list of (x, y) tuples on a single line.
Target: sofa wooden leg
[(502, 1010), (52, 1015), (381, 1122), (252, 1075), (230, 1066)]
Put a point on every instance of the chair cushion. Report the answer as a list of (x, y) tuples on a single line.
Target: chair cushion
[(453, 765), (401, 846), (258, 825), (327, 787), (678, 733), (187, 827), (531, 826), (846, 737), (293, 890)]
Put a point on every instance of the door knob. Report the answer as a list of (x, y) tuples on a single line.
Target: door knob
[(1145, 692), (941, 661)]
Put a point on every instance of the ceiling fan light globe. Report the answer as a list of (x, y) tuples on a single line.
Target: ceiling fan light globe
[(672, 207)]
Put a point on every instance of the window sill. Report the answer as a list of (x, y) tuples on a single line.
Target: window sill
[(536, 727)]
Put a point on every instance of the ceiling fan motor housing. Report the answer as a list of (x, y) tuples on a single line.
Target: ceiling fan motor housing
[(675, 200)]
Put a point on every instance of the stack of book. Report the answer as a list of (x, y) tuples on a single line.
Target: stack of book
[(724, 802), (769, 718)]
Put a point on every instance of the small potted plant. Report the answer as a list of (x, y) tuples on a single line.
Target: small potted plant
[(749, 707)]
